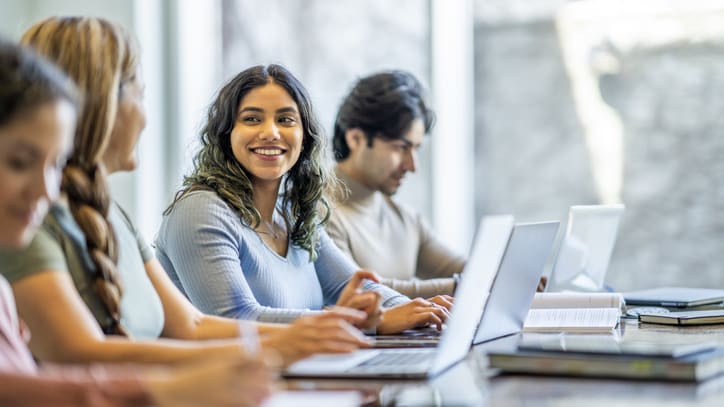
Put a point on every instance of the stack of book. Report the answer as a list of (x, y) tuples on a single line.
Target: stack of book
[(590, 357), (677, 305)]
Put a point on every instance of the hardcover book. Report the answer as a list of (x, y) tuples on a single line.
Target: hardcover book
[(692, 366), (706, 317)]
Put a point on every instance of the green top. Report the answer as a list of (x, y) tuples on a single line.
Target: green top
[(60, 245)]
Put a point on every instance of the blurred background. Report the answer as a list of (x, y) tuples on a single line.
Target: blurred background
[(541, 104)]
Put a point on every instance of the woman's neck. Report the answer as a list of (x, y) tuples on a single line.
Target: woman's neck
[(110, 166), (265, 199), (273, 232)]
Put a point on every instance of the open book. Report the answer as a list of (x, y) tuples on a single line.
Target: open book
[(574, 312)]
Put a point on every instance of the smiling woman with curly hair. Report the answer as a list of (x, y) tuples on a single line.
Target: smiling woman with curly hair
[(307, 181), (244, 237)]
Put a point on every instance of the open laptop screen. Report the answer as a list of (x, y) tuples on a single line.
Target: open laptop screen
[(586, 248), (515, 283)]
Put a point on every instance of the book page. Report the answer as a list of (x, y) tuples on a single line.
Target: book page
[(572, 319), (577, 300)]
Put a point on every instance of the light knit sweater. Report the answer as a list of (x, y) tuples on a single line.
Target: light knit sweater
[(392, 240), (225, 268)]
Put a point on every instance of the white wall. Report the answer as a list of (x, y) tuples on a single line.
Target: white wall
[(453, 143), (143, 197), (18, 15)]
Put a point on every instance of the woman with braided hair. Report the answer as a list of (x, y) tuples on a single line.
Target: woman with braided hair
[(88, 285), (108, 92), (38, 109)]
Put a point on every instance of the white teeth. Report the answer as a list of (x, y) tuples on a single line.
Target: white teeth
[(265, 151)]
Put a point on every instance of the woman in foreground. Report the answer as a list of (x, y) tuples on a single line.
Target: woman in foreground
[(38, 109)]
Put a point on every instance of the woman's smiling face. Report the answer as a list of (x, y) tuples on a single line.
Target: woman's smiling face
[(33, 150), (267, 136)]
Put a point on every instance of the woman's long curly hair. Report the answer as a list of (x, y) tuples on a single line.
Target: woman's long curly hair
[(305, 188), (100, 57)]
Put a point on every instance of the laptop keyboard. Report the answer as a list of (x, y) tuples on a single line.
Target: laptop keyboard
[(399, 359)]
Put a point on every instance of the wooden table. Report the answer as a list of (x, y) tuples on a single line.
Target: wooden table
[(472, 383)]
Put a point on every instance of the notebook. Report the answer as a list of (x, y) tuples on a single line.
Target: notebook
[(676, 297), (586, 248), (682, 318), (511, 291), (612, 345), (490, 243)]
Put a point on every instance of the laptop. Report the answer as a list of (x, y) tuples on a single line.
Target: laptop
[(490, 244), (675, 297), (586, 248), (515, 284), (511, 291), (411, 338)]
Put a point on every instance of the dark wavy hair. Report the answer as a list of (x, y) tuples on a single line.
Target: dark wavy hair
[(305, 188), (382, 105)]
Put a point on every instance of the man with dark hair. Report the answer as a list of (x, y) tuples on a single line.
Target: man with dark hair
[(379, 128)]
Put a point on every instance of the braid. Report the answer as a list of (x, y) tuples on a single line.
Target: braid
[(99, 56), (89, 203)]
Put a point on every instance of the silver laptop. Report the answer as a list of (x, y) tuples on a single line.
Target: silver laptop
[(490, 243), (586, 248), (515, 283), (511, 291)]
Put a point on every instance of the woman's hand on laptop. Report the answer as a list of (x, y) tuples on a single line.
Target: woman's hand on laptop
[(444, 301), (367, 301), (332, 331), (415, 314)]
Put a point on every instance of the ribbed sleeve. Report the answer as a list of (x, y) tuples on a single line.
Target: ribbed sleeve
[(334, 269), (422, 288)]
